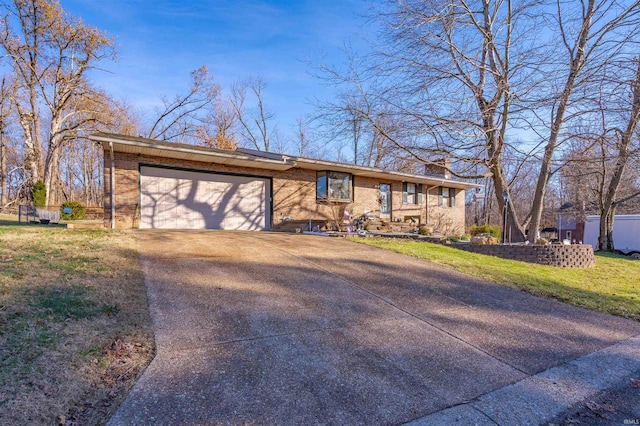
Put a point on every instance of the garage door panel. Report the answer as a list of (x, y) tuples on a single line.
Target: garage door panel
[(245, 208), (180, 199), (161, 195)]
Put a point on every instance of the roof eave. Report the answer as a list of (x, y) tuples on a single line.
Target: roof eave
[(141, 146), (382, 174), (150, 147)]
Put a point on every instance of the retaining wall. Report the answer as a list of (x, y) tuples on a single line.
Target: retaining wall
[(564, 256)]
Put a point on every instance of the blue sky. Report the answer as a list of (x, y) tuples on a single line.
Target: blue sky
[(159, 42)]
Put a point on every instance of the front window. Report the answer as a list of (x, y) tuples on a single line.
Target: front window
[(411, 193), (321, 186), (447, 197), (334, 186)]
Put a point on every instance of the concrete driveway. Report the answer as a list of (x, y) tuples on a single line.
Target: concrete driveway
[(267, 328)]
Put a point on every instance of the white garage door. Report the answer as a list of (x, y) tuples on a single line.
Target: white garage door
[(178, 199)]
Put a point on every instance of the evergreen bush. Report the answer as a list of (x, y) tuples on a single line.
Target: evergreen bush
[(39, 194), (77, 210), (494, 231)]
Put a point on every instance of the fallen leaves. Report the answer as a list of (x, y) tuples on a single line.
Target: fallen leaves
[(121, 362), (600, 409)]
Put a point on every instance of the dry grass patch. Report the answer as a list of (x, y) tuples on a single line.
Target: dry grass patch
[(75, 329)]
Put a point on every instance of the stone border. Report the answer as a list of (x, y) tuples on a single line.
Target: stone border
[(563, 256)]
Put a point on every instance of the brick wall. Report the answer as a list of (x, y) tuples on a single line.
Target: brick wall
[(294, 194), (569, 256), (446, 220)]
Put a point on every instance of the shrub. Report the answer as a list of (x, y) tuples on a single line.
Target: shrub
[(465, 237), (39, 194), (77, 210), (423, 230), (494, 231)]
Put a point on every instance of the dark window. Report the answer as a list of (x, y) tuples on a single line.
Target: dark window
[(446, 197), (321, 185), (411, 193), (334, 186)]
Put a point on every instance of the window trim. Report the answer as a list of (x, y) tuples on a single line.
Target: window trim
[(327, 179)]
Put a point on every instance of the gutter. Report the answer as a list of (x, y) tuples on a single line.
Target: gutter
[(185, 150), (365, 171), (429, 188)]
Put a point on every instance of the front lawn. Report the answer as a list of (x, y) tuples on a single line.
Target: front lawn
[(75, 329), (612, 286)]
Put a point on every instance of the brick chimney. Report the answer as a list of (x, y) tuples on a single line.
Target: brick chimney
[(439, 167)]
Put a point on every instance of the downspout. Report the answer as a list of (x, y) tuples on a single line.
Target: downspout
[(113, 188), (426, 219)]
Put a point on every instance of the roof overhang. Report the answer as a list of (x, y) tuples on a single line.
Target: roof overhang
[(372, 172), (258, 160), (178, 151)]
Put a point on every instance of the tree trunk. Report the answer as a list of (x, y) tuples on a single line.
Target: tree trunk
[(605, 241), (35, 127), (50, 175), (51, 165), (32, 150), (577, 63), (514, 232), (495, 143), (3, 169)]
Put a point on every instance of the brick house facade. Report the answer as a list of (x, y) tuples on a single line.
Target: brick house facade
[(292, 185)]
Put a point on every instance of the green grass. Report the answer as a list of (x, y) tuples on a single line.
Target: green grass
[(612, 286), (67, 299), (61, 304)]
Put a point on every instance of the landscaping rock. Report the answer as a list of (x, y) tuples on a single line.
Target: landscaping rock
[(484, 239), (425, 230)]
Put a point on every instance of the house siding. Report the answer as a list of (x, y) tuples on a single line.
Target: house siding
[(447, 220), (294, 194)]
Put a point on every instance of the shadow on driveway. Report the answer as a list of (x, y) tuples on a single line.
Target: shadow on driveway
[(266, 328)]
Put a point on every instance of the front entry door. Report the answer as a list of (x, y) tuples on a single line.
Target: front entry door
[(385, 199)]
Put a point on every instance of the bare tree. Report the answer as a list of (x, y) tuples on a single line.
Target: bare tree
[(23, 31), (595, 170), (50, 53), (303, 139), (72, 102), (218, 129), (78, 175), (623, 145), (463, 77), (6, 94), (592, 36), (182, 118), (255, 122), (445, 73), (225, 122)]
